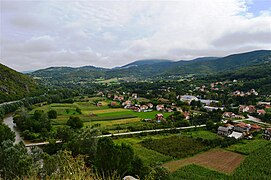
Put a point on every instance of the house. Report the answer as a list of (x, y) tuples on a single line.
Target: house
[(228, 115), (224, 131), (242, 127), (208, 101), (232, 115), (144, 107), (186, 115), (134, 95), (113, 103), (159, 117), (150, 105), (255, 127), (118, 98), (127, 104), (248, 109), (236, 135), (160, 107), (99, 104), (210, 108), (267, 134), (169, 110), (187, 98), (261, 112)]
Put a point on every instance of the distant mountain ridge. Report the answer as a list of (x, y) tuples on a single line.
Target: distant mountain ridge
[(153, 68)]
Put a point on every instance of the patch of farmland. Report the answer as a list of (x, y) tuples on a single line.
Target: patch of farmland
[(216, 159)]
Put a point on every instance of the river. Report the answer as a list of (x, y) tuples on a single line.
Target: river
[(8, 120)]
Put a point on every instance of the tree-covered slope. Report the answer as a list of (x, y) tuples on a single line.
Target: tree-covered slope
[(212, 66), (14, 85), (155, 68)]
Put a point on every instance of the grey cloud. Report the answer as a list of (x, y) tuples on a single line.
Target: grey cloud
[(243, 38)]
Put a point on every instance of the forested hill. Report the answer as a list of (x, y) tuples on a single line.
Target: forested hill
[(14, 85), (156, 68)]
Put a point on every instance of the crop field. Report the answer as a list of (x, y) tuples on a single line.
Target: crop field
[(196, 172), (175, 146), (201, 134), (215, 159), (257, 165), (248, 146)]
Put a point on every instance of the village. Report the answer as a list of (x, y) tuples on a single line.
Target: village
[(242, 122)]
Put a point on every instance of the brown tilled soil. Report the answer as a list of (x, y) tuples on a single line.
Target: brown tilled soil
[(216, 159)]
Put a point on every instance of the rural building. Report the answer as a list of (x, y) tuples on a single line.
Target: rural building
[(159, 117), (241, 127), (160, 107), (248, 109), (236, 135), (207, 101), (261, 112), (255, 127), (267, 134), (224, 131), (187, 98)]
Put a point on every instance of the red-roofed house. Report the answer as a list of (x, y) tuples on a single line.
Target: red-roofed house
[(255, 127), (242, 127), (248, 109), (261, 112)]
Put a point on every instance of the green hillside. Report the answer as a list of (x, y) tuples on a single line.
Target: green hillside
[(153, 69), (14, 85)]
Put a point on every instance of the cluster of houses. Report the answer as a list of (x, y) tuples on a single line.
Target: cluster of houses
[(238, 131), (249, 93), (242, 130), (251, 109)]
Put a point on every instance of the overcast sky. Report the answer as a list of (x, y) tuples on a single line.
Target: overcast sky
[(38, 34)]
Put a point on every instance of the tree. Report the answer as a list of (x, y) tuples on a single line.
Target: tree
[(210, 125), (15, 161), (52, 114), (112, 158), (85, 143), (75, 122), (6, 133)]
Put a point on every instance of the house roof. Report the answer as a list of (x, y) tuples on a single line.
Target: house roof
[(236, 135), (221, 128), (255, 126)]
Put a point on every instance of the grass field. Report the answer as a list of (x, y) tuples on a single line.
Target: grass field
[(248, 146), (215, 159)]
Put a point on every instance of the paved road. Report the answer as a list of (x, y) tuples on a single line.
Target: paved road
[(124, 134)]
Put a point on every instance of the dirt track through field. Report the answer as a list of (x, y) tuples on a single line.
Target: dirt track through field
[(216, 159)]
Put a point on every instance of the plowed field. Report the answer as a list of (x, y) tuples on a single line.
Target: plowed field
[(216, 159)]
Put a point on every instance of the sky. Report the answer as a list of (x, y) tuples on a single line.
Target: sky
[(42, 33)]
